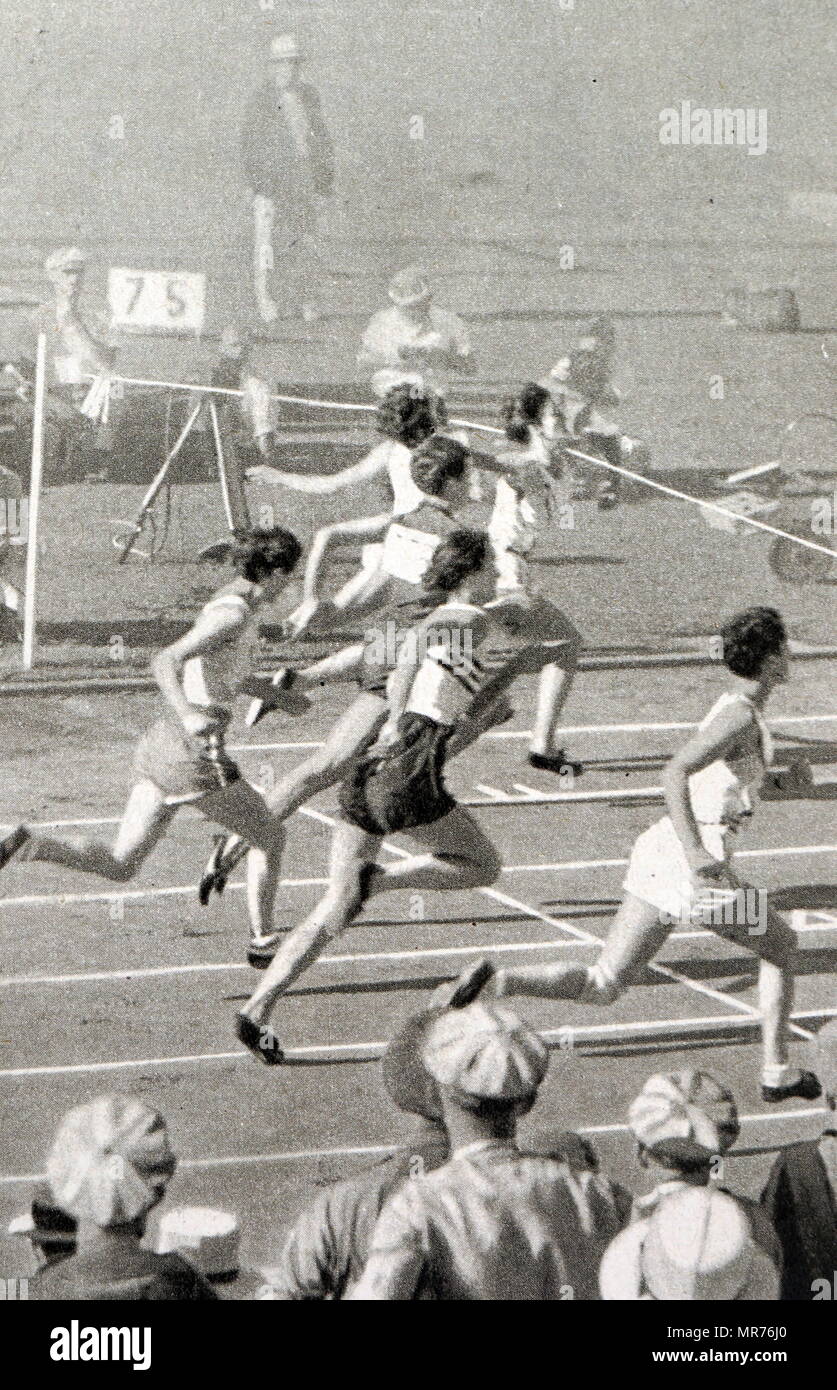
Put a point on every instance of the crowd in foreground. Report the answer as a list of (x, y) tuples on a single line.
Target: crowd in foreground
[(464, 1209)]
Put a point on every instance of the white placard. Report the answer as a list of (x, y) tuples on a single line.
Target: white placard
[(155, 300)]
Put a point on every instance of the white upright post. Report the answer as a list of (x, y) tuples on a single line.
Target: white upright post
[(34, 505)]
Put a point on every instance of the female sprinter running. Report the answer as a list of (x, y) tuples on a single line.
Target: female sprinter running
[(435, 689), (405, 417), (681, 868), (440, 474), (181, 759), (524, 503)]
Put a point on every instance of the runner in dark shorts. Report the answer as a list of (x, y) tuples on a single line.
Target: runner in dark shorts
[(435, 691)]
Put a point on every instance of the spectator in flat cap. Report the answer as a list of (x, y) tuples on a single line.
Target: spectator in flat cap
[(800, 1197), (698, 1245), (289, 167), (413, 340), (683, 1123), (493, 1223), (109, 1165), (329, 1243)]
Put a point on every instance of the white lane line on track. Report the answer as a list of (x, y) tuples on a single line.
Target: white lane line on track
[(369, 1051), (361, 958), (502, 735), (376, 1150), (33, 899), (581, 935)]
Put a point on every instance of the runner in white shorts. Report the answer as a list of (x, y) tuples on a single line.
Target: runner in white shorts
[(181, 759), (681, 869)]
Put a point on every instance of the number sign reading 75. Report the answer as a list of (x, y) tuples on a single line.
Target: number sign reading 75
[(155, 300)]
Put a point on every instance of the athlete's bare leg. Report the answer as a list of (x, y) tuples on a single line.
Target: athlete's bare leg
[(243, 810), (459, 856), (350, 735), (144, 821), (634, 938), (351, 850)]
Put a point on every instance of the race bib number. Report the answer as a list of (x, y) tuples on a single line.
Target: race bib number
[(156, 300), (407, 553)]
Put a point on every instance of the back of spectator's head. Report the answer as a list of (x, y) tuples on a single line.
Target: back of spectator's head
[(486, 1060), (50, 1230), (409, 1084), (826, 1061), (438, 462), (524, 411), (682, 1120), (408, 414), (111, 1161), (700, 1246), (563, 1146)]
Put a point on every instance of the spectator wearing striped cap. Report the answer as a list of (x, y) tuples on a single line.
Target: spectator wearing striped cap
[(800, 1197), (493, 1223), (109, 1165), (681, 1121), (699, 1245)]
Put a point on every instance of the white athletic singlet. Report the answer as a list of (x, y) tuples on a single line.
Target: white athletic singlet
[(450, 674), (722, 792), (214, 678)]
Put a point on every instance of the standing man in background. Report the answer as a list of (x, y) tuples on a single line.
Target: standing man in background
[(289, 165)]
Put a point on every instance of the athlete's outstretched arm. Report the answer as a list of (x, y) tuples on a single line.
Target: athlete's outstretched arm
[(366, 528), (368, 467)]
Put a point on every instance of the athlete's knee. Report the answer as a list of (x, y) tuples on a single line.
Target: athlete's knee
[(602, 986), (122, 869)]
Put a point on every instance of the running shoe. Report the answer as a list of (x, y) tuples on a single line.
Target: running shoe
[(232, 854), (262, 949), (208, 877), (259, 1039), (806, 1087), (283, 697), (13, 844), (556, 762)]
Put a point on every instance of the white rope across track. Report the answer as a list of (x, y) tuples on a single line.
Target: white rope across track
[(492, 429)]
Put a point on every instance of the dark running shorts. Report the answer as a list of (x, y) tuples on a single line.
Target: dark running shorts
[(402, 787)]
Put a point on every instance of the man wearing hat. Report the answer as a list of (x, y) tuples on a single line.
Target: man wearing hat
[(80, 352), (681, 1121), (801, 1194), (699, 1245), (493, 1223), (329, 1243), (289, 166), (109, 1166), (413, 340)]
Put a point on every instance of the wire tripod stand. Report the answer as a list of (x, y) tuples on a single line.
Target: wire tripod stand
[(233, 493)]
